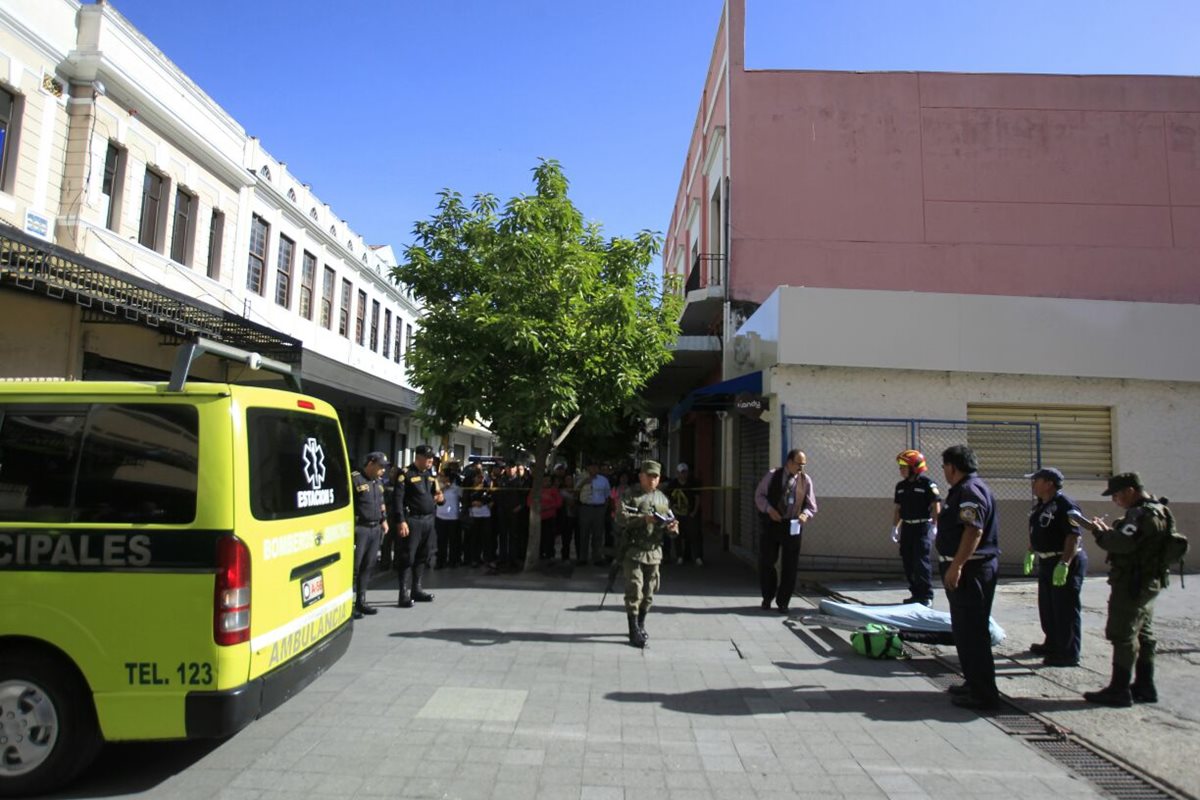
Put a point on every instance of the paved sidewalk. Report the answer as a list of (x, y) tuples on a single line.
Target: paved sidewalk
[(523, 687), (1161, 740)]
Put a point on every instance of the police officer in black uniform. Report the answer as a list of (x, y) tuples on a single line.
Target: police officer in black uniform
[(968, 547), (370, 523), (1061, 566), (413, 503), (918, 503)]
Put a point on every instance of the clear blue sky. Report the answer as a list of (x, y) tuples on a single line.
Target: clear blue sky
[(381, 103)]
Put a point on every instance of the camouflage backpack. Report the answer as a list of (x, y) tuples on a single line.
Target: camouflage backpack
[(1175, 548)]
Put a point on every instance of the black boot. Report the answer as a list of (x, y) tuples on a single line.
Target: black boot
[(636, 637), (405, 600), (642, 625), (419, 594), (1142, 689), (1116, 694)]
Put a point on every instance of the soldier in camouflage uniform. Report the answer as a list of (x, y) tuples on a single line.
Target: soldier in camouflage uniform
[(642, 517), (1137, 571)]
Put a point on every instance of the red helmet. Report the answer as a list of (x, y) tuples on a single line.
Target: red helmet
[(913, 459)]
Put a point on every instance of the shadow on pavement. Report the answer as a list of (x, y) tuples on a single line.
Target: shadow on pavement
[(484, 637), (124, 768), (898, 706), (656, 609)]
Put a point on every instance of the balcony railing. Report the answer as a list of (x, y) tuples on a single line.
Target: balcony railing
[(708, 269)]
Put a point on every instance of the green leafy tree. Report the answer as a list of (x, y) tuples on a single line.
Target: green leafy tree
[(532, 319)]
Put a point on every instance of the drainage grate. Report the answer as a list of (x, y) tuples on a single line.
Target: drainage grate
[(1111, 777), (1107, 774)]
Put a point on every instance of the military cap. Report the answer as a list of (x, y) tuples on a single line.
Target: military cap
[(1051, 474), (1124, 480), (651, 467)]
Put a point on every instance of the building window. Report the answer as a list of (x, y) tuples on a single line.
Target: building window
[(312, 212), (387, 333), (152, 207), (308, 279), (113, 184), (408, 340), (292, 195), (1075, 439), (327, 289), (398, 348), (374, 326), (216, 235), (265, 171), (360, 318), (10, 107), (283, 272), (344, 311), (256, 266), (183, 234)]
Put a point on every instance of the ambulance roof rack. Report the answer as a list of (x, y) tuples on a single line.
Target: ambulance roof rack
[(199, 345)]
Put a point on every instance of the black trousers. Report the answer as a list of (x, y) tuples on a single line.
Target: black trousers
[(366, 548), (449, 541), (775, 539), (413, 551), (916, 540), (1060, 609), (970, 611)]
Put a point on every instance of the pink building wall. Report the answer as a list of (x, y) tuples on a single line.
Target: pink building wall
[(1039, 185)]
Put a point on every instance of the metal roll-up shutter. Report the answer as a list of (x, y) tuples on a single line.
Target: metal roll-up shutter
[(753, 459), (1075, 439)]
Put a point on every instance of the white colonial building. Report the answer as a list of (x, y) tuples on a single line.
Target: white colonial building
[(135, 212)]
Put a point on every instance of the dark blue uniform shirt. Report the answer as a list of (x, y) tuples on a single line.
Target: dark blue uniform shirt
[(968, 503), (414, 495), (368, 500), (1049, 525), (916, 497)]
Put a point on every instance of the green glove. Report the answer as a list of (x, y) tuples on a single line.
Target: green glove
[(1030, 560), (1060, 574)]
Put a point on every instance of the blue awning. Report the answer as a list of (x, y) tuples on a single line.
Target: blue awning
[(716, 395), (750, 383)]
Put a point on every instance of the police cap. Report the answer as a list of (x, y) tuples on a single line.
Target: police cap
[(423, 450), (1049, 473), (378, 457)]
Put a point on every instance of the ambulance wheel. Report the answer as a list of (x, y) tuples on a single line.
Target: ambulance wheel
[(48, 730)]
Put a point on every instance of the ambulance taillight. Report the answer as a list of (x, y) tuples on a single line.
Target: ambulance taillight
[(231, 600)]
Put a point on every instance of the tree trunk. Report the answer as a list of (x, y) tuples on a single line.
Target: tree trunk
[(533, 546)]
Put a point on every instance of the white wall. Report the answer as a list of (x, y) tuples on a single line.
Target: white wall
[(1155, 430), (987, 333)]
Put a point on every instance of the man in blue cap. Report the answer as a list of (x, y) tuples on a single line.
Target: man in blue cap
[(1061, 565), (370, 523)]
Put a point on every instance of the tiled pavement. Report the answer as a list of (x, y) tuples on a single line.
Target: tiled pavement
[(524, 687)]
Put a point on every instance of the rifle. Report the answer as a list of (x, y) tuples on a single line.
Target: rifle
[(614, 569)]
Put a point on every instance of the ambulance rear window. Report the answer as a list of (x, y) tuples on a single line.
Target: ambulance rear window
[(297, 464), (129, 463)]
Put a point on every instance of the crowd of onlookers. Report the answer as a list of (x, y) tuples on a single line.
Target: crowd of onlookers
[(484, 519)]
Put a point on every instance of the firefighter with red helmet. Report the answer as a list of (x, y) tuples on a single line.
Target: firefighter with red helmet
[(914, 523)]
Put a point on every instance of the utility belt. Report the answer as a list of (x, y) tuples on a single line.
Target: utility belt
[(916, 521), (948, 559), (366, 523), (1052, 553)]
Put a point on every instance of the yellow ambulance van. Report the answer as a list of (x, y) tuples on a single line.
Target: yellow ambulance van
[(175, 561)]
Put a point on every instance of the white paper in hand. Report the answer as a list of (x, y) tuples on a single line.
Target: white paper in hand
[(794, 527)]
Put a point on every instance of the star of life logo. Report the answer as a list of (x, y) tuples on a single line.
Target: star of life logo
[(313, 458)]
